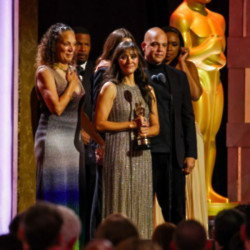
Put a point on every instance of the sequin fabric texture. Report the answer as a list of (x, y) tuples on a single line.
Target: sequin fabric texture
[(58, 150), (127, 173)]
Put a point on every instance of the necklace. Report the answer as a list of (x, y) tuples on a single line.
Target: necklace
[(60, 67)]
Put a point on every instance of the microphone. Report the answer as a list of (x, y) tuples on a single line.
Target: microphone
[(128, 98), (154, 78), (161, 78)]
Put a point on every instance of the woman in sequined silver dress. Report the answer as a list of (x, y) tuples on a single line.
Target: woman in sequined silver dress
[(127, 172), (58, 147)]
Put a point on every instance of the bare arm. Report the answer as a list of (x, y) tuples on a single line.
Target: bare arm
[(90, 129), (192, 75), (47, 88), (103, 107)]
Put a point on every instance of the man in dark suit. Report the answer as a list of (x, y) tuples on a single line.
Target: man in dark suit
[(88, 173), (174, 149), (85, 68)]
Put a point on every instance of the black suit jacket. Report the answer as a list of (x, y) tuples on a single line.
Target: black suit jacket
[(183, 123), (97, 84), (87, 82)]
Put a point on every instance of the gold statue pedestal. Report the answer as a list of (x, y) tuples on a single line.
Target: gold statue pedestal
[(203, 32), (215, 207), (217, 203)]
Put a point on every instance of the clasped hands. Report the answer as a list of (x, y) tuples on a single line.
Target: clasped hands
[(99, 151), (71, 75)]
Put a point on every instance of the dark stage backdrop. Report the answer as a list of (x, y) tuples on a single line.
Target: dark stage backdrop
[(101, 17)]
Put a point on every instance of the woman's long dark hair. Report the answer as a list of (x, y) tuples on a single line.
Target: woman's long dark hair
[(112, 41), (115, 75), (178, 33)]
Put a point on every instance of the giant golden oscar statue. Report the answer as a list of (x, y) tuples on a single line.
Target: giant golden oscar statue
[(203, 33)]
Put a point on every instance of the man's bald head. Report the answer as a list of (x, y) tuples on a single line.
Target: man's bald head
[(155, 45), (152, 33)]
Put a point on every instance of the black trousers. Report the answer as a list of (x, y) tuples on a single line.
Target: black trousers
[(169, 186), (96, 213), (87, 182)]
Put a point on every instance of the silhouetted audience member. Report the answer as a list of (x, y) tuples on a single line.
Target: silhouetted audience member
[(10, 242), (138, 244), (243, 208), (190, 234), (236, 243), (245, 230), (71, 227), (227, 224), (40, 227), (14, 224), (116, 228), (99, 244), (163, 235)]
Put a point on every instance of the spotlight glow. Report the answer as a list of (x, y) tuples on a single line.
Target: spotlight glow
[(6, 82)]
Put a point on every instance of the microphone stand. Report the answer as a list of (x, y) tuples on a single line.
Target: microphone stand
[(128, 98)]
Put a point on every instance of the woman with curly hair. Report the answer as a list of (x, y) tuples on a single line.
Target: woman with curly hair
[(127, 170), (58, 146)]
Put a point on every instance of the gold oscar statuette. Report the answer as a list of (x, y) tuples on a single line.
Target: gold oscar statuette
[(203, 32), (141, 142)]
